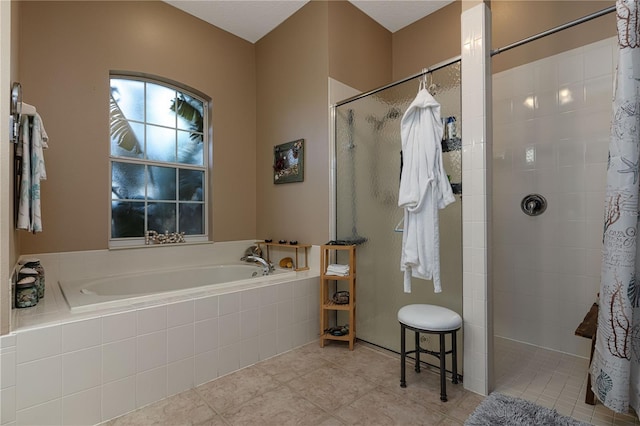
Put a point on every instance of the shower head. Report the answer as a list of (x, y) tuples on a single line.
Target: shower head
[(392, 114)]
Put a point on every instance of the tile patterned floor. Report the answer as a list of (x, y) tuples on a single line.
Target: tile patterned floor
[(333, 386), (551, 379), (314, 386)]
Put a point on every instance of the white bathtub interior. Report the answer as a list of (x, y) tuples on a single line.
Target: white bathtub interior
[(124, 289)]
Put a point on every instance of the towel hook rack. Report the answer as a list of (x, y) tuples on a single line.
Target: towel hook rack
[(16, 112), (423, 79)]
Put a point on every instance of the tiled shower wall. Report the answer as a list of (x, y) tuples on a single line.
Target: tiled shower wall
[(551, 133), (476, 211)]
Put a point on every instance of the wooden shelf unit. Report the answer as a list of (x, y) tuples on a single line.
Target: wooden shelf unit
[(305, 247), (327, 305)]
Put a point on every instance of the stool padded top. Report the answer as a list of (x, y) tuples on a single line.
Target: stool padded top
[(429, 317)]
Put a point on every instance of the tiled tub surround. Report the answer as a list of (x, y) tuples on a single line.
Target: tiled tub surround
[(63, 368)]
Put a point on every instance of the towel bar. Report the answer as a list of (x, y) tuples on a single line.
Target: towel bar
[(16, 112)]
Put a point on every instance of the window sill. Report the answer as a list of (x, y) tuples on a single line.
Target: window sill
[(138, 246)]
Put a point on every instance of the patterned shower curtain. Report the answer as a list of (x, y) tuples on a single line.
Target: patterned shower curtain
[(615, 369)]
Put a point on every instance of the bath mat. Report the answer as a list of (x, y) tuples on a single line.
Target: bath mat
[(498, 409)]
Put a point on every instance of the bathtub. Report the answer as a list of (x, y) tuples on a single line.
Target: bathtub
[(125, 289), (113, 352)]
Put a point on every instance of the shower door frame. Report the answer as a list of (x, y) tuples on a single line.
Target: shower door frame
[(333, 140), (332, 132)]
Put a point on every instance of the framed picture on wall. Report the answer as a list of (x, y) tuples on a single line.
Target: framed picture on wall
[(288, 162)]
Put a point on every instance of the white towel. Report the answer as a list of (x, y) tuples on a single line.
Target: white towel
[(337, 269), (26, 109), (424, 188), (33, 141), (43, 134)]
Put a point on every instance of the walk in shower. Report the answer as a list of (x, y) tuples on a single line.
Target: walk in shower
[(367, 175), (550, 137), (551, 131)]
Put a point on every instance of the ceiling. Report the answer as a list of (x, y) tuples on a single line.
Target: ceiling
[(252, 19)]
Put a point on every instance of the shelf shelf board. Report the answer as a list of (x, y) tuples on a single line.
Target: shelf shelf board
[(331, 305), (329, 336), (338, 277), (327, 305), (284, 245), (304, 247)]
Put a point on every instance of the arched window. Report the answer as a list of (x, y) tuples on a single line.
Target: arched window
[(159, 157)]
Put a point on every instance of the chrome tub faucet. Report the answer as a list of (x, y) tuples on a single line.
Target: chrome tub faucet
[(267, 267)]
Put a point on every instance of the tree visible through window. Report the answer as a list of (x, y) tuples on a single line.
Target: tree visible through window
[(158, 159)]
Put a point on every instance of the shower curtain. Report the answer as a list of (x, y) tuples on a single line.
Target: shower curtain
[(615, 368)]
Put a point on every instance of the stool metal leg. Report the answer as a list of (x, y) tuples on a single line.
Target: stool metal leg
[(417, 338), (440, 354), (454, 357), (443, 383), (403, 356)]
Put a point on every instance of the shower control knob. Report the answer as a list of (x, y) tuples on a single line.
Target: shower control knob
[(533, 204)]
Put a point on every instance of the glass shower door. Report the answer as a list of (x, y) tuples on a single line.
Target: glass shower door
[(368, 161)]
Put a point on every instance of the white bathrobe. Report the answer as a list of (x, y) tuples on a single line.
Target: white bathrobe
[(424, 188)]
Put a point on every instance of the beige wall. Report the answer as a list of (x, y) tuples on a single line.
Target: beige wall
[(8, 74), (66, 52), (292, 90), (517, 20), (432, 39), (263, 95), (436, 37), (359, 48), (76, 42), (294, 63)]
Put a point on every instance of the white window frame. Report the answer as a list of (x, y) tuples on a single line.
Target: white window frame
[(205, 168)]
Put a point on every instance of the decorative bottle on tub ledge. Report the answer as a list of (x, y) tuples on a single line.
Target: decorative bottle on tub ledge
[(34, 263), (26, 292)]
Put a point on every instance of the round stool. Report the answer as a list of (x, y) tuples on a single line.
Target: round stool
[(429, 319)]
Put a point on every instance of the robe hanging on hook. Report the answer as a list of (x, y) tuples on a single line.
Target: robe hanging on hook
[(429, 86), (432, 86), (423, 79)]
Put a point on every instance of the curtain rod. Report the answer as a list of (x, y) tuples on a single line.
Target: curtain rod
[(404, 80), (555, 30), (453, 60)]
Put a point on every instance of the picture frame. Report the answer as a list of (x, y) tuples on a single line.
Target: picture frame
[(288, 162)]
